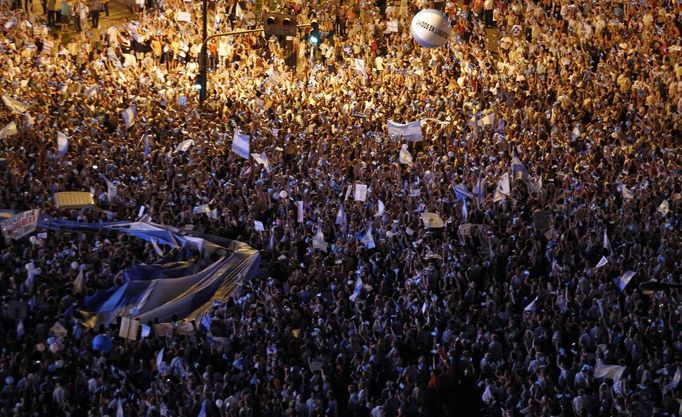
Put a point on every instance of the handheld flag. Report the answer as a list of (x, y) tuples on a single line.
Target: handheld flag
[(603, 261), (404, 156), (380, 209), (367, 239), (357, 290), (184, 145), (262, 159), (503, 188), (519, 170), (341, 218), (62, 145), (129, 115), (111, 189), (624, 280), (606, 244), (319, 242), (240, 144), (664, 208)]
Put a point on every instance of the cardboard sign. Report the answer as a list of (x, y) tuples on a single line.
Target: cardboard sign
[(129, 328), (73, 200), (542, 219), (432, 221)]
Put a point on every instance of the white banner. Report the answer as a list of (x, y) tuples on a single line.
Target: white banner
[(21, 224), (183, 17), (411, 131)]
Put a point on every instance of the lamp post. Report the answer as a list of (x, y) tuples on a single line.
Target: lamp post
[(202, 59)]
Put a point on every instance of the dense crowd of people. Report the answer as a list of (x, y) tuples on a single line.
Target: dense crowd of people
[(493, 314)]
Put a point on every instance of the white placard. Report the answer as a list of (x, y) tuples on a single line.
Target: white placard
[(360, 193)]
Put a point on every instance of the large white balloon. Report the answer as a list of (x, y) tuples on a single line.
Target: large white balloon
[(430, 28)]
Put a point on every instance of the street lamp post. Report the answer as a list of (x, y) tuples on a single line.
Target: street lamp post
[(202, 59)]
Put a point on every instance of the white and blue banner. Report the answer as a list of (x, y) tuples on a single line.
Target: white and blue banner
[(411, 131)]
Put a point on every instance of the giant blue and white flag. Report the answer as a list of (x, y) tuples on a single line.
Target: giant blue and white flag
[(411, 131), (240, 144)]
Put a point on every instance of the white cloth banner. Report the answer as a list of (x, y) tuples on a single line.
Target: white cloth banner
[(410, 131), (240, 144), (614, 372)]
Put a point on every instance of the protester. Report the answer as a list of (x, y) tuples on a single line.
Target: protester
[(550, 152)]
